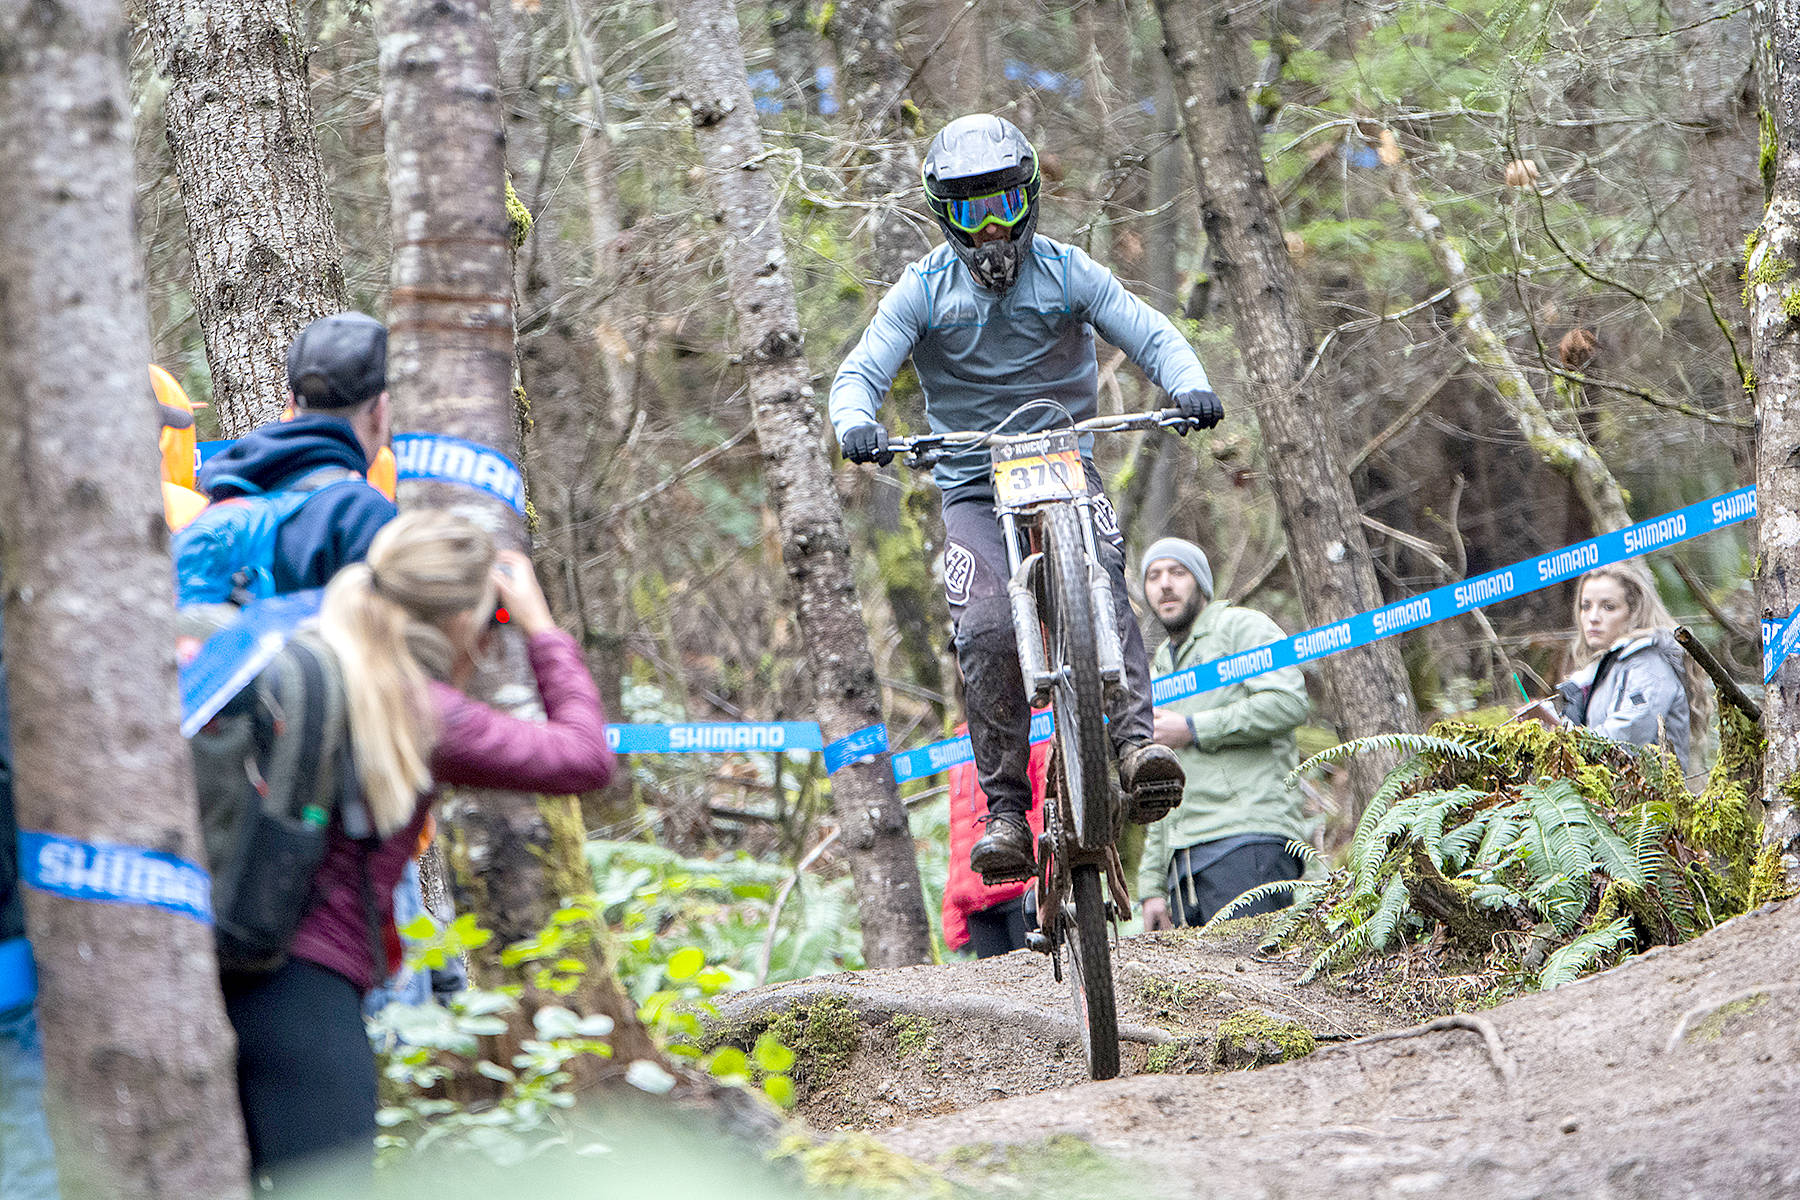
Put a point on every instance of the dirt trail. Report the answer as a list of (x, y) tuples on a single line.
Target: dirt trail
[(882, 1047), (1676, 1074)]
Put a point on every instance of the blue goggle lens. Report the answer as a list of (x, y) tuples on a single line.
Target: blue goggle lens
[(1001, 208)]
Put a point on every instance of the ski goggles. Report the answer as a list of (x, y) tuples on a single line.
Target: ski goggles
[(1006, 208)]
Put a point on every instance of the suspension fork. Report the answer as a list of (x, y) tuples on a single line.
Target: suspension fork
[(1107, 645), (1028, 630)]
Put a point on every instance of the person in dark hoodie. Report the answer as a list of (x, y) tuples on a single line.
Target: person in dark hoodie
[(27, 1162), (337, 385)]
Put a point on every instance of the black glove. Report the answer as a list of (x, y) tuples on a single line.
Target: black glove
[(1200, 407), (868, 444)]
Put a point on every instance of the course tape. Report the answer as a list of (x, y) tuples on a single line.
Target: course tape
[(18, 974), (1779, 637), (856, 747), (112, 874), (712, 737), (446, 459), (1453, 599)]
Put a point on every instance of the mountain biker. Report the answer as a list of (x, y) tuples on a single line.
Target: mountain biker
[(996, 317)]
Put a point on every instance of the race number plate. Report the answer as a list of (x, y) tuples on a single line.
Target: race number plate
[(1039, 469)]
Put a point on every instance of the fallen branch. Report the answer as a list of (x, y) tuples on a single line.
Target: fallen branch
[(1729, 691), (989, 1010), (1490, 1036)]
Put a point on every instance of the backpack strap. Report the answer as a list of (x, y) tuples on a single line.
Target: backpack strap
[(359, 826)]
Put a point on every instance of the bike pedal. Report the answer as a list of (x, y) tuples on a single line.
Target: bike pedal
[(1009, 877)]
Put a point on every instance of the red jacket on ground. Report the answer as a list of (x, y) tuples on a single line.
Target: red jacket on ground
[(477, 746), (964, 892)]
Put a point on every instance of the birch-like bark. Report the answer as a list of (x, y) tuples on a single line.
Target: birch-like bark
[(1773, 292), (1367, 688), (813, 544), (873, 83), (142, 1075), (1566, 451), (514, 859), (266, 257)]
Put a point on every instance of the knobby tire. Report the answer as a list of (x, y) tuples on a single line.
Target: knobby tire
[(1090, 973), (1079, 705), (1078, 699)]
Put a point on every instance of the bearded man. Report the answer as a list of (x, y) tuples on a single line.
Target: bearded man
[(1236, 746)]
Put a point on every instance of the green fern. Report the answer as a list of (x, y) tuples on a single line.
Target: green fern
[(1580, 955), (1257, 895), (1371, 935), (1414, 744)]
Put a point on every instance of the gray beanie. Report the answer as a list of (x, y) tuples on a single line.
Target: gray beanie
[(1187, 554)]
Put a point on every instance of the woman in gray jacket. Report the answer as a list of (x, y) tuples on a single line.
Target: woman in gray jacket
[(1631, 681)]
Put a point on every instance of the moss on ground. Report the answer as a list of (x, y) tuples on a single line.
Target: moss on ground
[(912, 1035), (1713, 1025), (1249, 1038)]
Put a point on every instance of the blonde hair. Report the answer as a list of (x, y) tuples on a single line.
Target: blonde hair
[(1645, 613), (396, 621)]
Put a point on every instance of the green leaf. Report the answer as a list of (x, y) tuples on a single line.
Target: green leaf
[(780, 1089), (728, 1062), (772, 1056), (685, 963)]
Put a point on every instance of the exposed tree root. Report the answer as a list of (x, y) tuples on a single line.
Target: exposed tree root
[(1701, 1011), (1490, 1036), (966, 1008)]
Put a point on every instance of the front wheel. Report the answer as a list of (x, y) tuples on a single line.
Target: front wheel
[(1084, 925), (1077, 699)]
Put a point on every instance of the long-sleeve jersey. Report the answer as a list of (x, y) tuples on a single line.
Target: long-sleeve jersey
[(980, 355)]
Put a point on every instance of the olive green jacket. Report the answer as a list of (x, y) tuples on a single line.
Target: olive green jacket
[(1243, 744)]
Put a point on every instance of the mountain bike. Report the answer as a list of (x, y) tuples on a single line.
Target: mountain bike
[(1072, 660)]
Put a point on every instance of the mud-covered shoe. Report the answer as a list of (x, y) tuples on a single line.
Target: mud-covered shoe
[(1003, 855), (1152, 778)]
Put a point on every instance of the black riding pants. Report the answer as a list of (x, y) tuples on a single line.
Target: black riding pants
[(1204, 879), (994, 697), (306, 1077)]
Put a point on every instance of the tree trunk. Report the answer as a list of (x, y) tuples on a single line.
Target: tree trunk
[(1771, 288), (1366, 689), (139, 1054), (873, 84), (813, 544), (513, 858), (266, 258), (1566, 451)]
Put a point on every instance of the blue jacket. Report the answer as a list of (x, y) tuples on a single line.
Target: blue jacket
[(980, 355), (331, 529)]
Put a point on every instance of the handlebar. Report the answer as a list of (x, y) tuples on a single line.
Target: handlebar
[(928, 448)]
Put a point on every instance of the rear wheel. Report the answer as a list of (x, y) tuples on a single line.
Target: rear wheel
[(1078, 699), (1090, 974)]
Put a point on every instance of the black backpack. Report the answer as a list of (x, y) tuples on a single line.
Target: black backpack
[(271, 768)]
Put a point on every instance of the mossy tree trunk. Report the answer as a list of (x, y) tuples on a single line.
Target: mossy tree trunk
[(873, 83), (813, 542), (514, 858), (1772, 291), (141, 1060), (266, 257), (1367, 689)]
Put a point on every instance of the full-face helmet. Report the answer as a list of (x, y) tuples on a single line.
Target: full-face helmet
[(980, 172)]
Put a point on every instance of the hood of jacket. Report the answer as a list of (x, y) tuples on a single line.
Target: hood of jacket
[(264, 459)]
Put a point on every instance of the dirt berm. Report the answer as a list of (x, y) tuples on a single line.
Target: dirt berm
[(1676, 1074)]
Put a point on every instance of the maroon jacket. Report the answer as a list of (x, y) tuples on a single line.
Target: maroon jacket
[(477, 746)]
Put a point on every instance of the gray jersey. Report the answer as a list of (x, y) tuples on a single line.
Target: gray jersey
[(980, 355)]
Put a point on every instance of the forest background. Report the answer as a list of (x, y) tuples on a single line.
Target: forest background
[(1519, 238), (1594, 168)]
